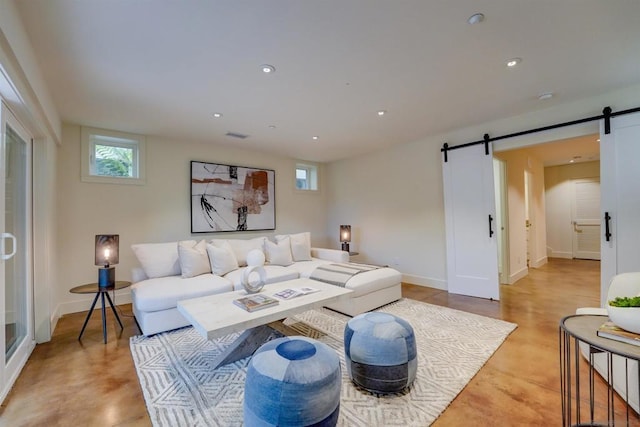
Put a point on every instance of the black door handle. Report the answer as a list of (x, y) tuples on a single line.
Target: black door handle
[(607, 231), (490, 228)]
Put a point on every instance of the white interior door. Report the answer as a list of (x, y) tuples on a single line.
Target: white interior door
[(620, 198), (469, 198), (586, 219), (16, 290)]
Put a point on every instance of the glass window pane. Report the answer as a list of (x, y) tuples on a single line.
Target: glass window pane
[(113, 161), (302, 184), (16, 223)]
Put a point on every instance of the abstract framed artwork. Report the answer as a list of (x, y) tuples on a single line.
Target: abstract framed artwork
[(231, 198)]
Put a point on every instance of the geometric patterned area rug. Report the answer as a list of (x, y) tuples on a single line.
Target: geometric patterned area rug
[(181, 389)]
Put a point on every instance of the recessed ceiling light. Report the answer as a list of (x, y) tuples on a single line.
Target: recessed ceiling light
[(546, 95), (475, 18), (272, 126), (315, 138), (513, 62), (268, 69), (217, 115), (382, 112)]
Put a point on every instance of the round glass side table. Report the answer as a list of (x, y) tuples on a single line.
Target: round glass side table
[(100, 291)]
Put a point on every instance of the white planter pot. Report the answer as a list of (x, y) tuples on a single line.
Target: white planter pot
[(627, 318)]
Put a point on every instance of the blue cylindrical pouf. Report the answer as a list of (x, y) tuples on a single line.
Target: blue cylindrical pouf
[(380, 352), (293, 381)]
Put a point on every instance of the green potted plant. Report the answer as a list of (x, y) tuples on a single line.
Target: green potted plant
[(624, 312)]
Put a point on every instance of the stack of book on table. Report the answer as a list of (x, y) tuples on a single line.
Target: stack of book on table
[(613, 332), (255, 302)]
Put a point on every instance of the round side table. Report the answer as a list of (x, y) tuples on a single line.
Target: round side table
[(100, 291), (582, 329)]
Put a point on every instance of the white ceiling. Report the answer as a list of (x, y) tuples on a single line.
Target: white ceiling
[(163, 67)]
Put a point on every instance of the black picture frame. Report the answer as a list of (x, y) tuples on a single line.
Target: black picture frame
[(228, 198)]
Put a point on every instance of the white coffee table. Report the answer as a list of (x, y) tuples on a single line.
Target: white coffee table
[(215, 316)]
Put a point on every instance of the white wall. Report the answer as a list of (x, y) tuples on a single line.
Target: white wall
[(393, 198), (158, 211), (394, 202), (559, 194)]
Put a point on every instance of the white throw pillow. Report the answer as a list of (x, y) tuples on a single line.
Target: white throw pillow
[(242, 247), (300, 245), (194, 260), (279, 253), (255, 257), (222, 259), (158, 259)]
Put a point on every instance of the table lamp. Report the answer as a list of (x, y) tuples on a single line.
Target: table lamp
[(345, 236), (107, 246)]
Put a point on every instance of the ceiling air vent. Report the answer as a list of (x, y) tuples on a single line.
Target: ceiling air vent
[(237, 135)]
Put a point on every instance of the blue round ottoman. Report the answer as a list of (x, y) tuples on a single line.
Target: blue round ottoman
[(293, 381), (380, 352)]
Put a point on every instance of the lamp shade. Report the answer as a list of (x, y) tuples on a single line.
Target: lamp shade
[(345, 233), (107, 248)]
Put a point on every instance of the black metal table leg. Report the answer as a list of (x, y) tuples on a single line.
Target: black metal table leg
[(100, 291), (104, 318), (114, 310), (88, 315)]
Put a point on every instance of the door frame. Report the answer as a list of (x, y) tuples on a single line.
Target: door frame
[(502, 218)]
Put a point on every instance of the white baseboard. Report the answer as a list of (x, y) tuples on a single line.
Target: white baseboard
[(424, 281), (514, 277), (557, 254), (539, 262), (85, 303)]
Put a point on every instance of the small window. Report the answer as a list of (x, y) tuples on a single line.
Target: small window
[(306, 177), (112, 157)]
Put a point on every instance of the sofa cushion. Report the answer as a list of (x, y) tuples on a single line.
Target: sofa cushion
[(194, 260), (221, 258), (158, 259), (163, 293), (242, 247), (275, 273), (300, 245), (279, 253)]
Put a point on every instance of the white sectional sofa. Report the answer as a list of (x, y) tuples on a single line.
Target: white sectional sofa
[(174, 271)]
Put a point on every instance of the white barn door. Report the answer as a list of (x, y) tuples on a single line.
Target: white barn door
[(620, 198), (469, 200)]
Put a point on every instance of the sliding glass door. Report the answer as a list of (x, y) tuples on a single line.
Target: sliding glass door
[(15, 249)]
